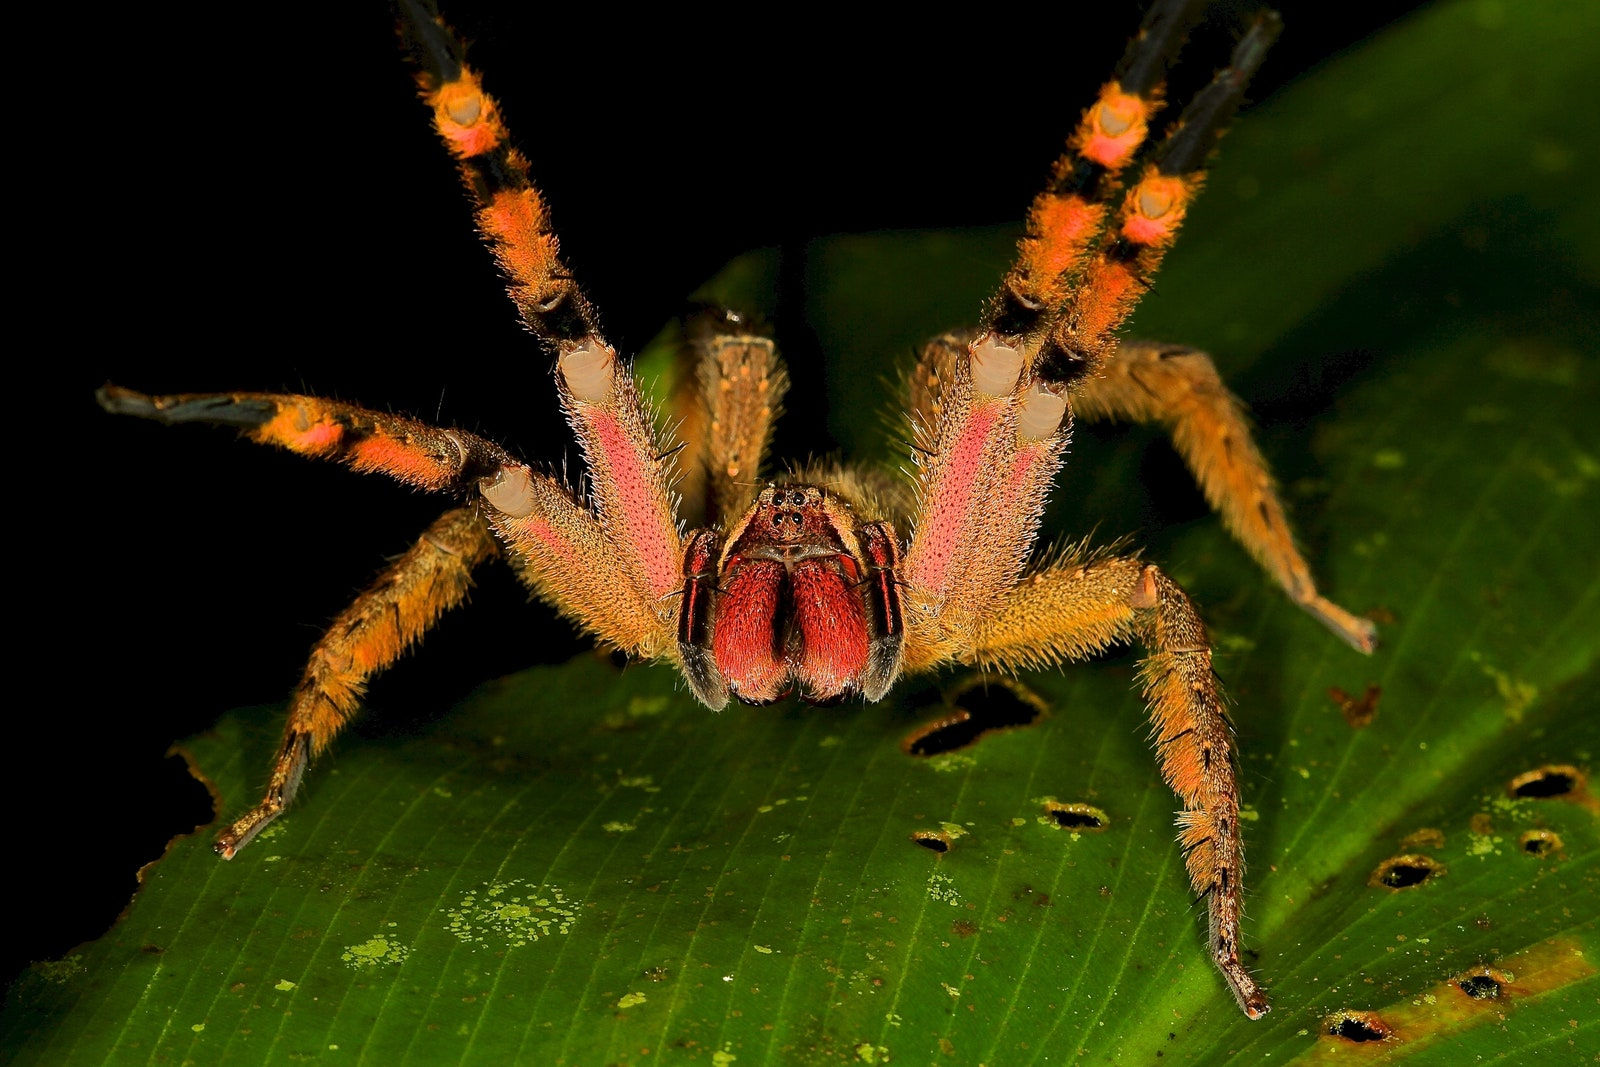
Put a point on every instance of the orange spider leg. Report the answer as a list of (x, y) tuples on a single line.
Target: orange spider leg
[(1078, 607), (992, 433), (1180, 387), (925, 383), (1133, 245), (372, 442), (369, 635), (1067, 216), (986, 462), (960, 546), (563, 553), (630, 472)]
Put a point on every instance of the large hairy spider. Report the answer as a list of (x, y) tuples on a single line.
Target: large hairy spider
[(833, 583)]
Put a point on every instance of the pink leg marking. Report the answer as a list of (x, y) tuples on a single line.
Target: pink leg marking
[(649, 532)]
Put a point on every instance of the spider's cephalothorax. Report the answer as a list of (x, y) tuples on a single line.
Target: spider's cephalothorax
[(809, 585), (804, 596)]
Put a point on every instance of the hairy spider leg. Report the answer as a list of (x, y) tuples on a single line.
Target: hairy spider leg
[(388, 618), (984, 412), (955, 547), (1068, 214), (1080, 606), (985, 464), (990, 434), (1131, 247), (557, 546), (559, 549), (629, 470), (731, 396), (564, 554), (993, 424), (694, 619), (1180, 388), (371, 442)]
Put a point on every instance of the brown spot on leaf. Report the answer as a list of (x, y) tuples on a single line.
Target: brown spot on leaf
[(963, 928), (1427, 837), (1359, 713), (1481, 995)]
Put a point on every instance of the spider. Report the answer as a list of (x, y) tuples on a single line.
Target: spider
[(832, 582)]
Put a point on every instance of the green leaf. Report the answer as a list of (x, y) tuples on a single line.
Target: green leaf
[(1397, 265)]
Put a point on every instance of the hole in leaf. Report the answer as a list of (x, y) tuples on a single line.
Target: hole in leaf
[(978, 707), (1405, 872), (1480, 986), (1552, 780), (1358, 1026), (932, 840), (1539, 842), (1079, 817)]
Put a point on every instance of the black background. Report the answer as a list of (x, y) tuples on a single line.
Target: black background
[(231, 200)]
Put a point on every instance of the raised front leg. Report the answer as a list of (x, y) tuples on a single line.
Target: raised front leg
[(1074, 609), (1180, 387), (372, 442), (398, 608), (628, 466), (725, 408)]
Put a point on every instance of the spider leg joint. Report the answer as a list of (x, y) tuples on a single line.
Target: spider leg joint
[(509, 490), (1144, 596), (1040, 413), (996, 366), (589, 370)]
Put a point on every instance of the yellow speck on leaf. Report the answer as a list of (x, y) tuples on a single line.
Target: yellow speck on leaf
[(374, 951)]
